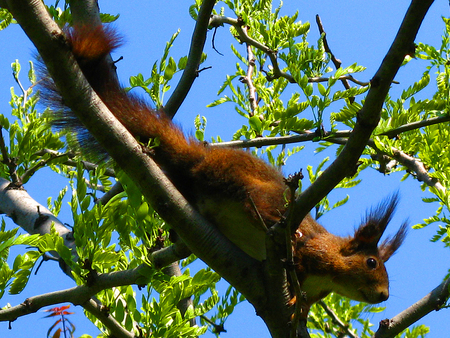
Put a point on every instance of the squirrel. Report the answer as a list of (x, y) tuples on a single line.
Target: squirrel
[(237, 192)]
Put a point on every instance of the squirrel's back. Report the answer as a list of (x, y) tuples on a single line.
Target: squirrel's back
[(211, 178)]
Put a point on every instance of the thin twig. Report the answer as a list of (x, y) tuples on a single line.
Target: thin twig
[(24, 91), (238, 24), (306, 136), (213, 42), (337, 63), (70, 162), (342, 78), (292, 183), (39, 164), (9, 162), (413, 164), (248, 78), (415, 125), (336, 320)]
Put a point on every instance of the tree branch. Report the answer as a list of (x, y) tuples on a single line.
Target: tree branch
[(413, 164), (31, 216), (307, 135), (336, 320), (369, 115), (204, 240), (339, 137), (70, 162), (342, 78), (416, 166), (238, 24), (169, 255), (77, 295), (217, 20), (36, 219), (80, 295), (85, 12), (431, 302), (248, 79), (115, 328), (195, 53), (415, 125), (337, 63)]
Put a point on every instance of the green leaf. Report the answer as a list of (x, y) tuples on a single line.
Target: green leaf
[(142, 212), (322, 89), (6, 18), (309, 90), (256, 124), (170, 69), (19, 282), (182, 63)]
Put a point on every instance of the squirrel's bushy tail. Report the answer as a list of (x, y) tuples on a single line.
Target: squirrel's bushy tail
[(91, 47), (235, 191)]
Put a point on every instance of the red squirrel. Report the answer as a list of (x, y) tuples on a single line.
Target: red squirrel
[(240, 194)]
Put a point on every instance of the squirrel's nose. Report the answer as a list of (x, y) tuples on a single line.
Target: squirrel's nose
[(384, 295)]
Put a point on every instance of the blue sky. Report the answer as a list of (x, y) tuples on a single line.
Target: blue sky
[(356, 33)]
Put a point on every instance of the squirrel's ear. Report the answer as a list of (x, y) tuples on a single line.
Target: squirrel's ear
[(368, 234), (390, 245)]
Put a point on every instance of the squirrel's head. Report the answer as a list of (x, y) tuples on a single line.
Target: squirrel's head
[(363, 276), (354, 266)]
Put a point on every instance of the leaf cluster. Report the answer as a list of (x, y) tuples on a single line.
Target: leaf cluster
[(338, 317), (296, 91)]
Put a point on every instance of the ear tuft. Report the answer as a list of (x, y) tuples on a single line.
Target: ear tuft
[(390, 245), (373, 226)]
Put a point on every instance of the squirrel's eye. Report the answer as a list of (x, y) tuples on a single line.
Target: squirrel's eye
[(371, 263)]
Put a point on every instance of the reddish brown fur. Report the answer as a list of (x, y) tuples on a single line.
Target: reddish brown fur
[(236, 191), (352, 266), (208, 177)]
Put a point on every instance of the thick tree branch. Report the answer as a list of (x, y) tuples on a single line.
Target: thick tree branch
[(33, 217), (36, 219), (369, 115), (195, 53), (204, 240), (85, 12)]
